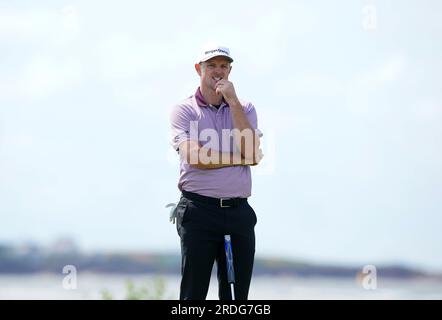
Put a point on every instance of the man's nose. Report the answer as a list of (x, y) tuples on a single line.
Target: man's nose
[(219, 70)]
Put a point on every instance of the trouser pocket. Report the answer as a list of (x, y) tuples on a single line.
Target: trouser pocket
[(253, 213)]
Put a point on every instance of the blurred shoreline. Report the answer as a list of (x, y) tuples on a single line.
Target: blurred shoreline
[(33, 259)]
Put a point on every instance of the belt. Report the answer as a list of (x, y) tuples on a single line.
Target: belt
[(220, 202)]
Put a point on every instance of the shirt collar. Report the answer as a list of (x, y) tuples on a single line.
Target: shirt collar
[(202, 103)]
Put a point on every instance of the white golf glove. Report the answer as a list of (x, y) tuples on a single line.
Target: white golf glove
[(172, 213)]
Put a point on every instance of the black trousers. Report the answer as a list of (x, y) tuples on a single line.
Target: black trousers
[(202, 227)]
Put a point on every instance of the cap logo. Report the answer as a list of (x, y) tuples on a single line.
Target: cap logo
[(216, 50)]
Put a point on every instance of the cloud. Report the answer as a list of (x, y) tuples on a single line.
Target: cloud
[(41, 77), (387, 72), (312, 84), (428, 110), (33, 39), (44, 77), (18, 140), (320, 84), (14, 23), (54, 25), (371, 85), (123, 55)]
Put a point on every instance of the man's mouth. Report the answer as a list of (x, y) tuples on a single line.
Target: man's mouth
[(217, 78)]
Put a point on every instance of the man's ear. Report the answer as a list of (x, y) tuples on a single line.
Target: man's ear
[(198, 68)]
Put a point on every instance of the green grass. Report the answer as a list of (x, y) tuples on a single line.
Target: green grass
[(154, 290)]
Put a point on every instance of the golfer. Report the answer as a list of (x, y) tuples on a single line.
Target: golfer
[(217, 138)]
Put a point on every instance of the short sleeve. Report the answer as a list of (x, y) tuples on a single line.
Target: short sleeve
[(180, 120), (253, 118)]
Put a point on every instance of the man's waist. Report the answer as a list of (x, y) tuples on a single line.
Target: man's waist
[(219, 202), (228, 182)]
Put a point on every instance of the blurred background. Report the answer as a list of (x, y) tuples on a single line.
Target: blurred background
[(348, 97)]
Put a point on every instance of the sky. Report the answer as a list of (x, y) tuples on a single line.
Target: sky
[(348, 97)]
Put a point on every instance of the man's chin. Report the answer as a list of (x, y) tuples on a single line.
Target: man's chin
[(211, 87)]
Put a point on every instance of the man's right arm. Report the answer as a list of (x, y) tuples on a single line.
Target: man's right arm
[(203, 158)]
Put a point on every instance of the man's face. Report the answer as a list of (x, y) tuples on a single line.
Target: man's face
[(213, 70)]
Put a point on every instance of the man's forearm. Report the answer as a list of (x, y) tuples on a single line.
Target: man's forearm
[(209, 159), (246, 140)]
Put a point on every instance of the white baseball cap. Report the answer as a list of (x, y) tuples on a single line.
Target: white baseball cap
[(211, 50)]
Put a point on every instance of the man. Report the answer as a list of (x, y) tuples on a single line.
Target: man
[(217, 138)]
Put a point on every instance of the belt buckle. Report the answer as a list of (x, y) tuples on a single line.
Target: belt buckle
[(221, 203)]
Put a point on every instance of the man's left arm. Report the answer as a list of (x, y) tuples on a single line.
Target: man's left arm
[(246, 139)]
